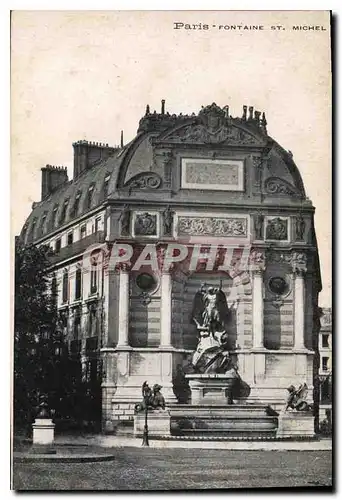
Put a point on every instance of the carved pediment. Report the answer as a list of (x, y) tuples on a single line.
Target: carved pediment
[(144, 180), (213, 130), (276, 185)]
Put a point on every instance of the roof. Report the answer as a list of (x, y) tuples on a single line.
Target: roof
[(127, 166)]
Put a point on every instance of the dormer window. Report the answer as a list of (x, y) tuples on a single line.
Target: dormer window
[(24, 232), (105, 186), (76, 204), (64, 211), (54, 216), (89, 197), (43, 224), (33, 227)]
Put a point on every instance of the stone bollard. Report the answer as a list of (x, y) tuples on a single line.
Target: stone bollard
[(43, 431), (43, 427)]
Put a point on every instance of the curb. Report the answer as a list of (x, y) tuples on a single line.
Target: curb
[(37, 458)]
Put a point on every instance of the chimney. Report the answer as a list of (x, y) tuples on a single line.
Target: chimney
[(52, 178), (87, 153)]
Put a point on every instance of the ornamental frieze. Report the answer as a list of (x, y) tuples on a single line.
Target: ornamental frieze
[(212, 226)]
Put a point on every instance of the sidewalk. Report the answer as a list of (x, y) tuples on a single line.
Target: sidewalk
[(122, 441)]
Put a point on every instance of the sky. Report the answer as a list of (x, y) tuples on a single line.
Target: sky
[(89, 75)]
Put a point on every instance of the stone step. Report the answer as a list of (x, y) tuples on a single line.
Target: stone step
[(226, 411), (211, 434), (228, 425)]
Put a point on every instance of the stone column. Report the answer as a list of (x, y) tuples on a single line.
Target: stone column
[(299, 269), (258, 310), (257, 268), (123, 306), (165, 309)]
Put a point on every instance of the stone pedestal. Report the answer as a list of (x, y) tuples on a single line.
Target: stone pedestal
[(159, 423), (43, 431), (295, 424), (212, 388)]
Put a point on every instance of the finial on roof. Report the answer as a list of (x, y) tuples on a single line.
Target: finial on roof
[(226, 111), (257, 116), (244, 114), (121, 139), (147, 109), (163, 106), (263, 123), (250, 110)]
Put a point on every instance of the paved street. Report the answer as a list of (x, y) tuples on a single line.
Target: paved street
[(172, 469)]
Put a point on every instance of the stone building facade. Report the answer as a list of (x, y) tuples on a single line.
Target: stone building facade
[(201, 182), (326, 362)]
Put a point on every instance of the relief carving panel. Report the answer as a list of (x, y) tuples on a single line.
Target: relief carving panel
[(212, 226)]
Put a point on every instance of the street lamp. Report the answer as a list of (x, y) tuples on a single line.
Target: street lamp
[(147, 397)]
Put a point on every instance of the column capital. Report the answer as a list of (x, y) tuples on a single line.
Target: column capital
[(257, 260), (299, 263)]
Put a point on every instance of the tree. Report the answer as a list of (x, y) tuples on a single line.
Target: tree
[(35, 328)]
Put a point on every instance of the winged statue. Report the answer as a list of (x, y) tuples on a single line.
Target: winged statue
[(211, 315)]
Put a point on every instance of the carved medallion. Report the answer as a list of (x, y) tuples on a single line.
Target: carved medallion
[(145, 224), (276, 229)]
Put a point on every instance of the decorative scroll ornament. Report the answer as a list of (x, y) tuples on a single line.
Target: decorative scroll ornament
[(144, 180), (275, 185), (277, 229), (212, 226)]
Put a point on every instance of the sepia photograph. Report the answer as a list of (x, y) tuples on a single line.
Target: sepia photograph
[(171, 235)]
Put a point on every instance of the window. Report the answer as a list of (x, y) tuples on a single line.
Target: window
[(325, 364), (58, 245), (54, 288), (78, 284), (65, 294), (77, 324), (89, 197), (64, 211), (83, 231), (325, 340), (70, 238), (93, 278), (97, 223)]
